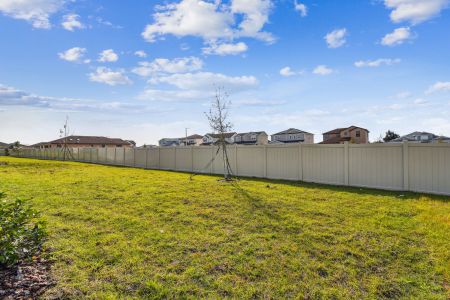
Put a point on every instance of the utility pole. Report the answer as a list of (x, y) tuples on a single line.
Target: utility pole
[(185, 139)]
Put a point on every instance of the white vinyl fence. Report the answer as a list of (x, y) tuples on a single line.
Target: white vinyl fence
[(402, 167)]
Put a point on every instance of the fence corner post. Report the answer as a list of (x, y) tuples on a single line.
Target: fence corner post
[(346, 163), (405, 166)]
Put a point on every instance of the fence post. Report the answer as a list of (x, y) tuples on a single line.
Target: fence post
[(175, 158), (265, 161), (300, 162), (236, 159), (405, 166), (192, 159), (211, 167), (346, 163), (159, 158)]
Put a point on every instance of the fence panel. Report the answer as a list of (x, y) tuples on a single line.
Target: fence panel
[(378, 166), (250, 161), (202, 159), (120, 157), (283, 162), (153, 158), (429, 168), (183, 158), (141, 158), (129, 157), (323, 164), (110, 155), (168, 159)]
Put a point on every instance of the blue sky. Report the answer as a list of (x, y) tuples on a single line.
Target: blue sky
[(144, 70)]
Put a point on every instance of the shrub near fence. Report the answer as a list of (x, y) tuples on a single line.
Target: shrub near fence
[(403, 167)]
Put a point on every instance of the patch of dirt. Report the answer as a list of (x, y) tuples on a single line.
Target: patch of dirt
[(27, 280)]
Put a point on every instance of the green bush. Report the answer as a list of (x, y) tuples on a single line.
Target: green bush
[(21, 234)]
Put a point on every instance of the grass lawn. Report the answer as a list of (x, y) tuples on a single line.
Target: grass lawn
[(131, 233)]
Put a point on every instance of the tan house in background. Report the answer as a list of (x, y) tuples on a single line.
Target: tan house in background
[(352, 134), (251, 138), (78, 141), (192, 140)]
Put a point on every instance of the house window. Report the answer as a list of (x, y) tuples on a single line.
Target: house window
[(119, 146), (103, 145), (358, 133), (345, 133)]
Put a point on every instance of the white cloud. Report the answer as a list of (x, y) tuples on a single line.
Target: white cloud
[(257, 102), (286, 72), (225, 48), (301, 8), (207, 81), (159, 95), (403, 95), (140, 53), (108, 56), (10, 96), (255, 16), (71, 22), (439, 86), (377, 63), (397, 37), (107, 76), (73, 55), (210, 20), (322, 70), (414, 11), (37, 12), (336, 38), (164, 65)]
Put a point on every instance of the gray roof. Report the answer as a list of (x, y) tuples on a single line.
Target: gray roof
[(411, 136), (251, 132), (292, 131), (79, 139), (225, 135)]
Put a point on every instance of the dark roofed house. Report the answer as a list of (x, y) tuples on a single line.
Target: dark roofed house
[(352, 134), (422, 137), (251, 138), (192, 140), (293, 135), (79, 141)]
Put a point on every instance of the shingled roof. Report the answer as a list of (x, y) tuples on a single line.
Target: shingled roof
[(338, 130), (292, 131), (79, 139), (225, 135)]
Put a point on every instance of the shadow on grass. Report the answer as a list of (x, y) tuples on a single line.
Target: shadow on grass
[(257, 204), (401, 195)]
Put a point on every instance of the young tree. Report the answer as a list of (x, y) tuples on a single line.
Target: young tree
[(390, 135), (218, 121)]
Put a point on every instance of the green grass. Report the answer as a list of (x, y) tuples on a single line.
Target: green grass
[(132, 233)]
